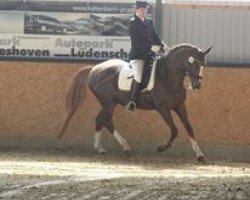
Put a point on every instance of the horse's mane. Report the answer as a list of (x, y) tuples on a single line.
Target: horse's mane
[(175, 49), (165, 63), (182, 46)]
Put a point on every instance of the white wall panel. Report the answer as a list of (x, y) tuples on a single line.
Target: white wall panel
[(228, 30)]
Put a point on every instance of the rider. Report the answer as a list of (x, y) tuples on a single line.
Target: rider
[(143, 37)]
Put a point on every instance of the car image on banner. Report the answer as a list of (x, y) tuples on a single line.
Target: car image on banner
[(93, 25), (43, 24)]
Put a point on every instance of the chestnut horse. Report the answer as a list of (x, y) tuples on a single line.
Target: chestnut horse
[(168, 93)]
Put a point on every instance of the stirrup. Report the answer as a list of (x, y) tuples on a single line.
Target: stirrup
[(131, 106)]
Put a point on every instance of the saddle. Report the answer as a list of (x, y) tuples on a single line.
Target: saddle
[(147, 69), (126, 75)]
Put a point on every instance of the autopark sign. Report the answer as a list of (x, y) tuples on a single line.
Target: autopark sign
[(64, 30)]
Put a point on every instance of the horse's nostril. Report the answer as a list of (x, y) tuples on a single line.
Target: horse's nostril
[(196, 85)]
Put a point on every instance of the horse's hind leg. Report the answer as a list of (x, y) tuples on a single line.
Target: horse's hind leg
[(98, 134), (104, 119), (165, 113), (182, 113), (109, 125)]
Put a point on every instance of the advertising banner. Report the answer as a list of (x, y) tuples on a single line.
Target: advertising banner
[(42, 30)]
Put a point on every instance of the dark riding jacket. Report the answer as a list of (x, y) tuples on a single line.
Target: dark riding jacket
[(143, 36)]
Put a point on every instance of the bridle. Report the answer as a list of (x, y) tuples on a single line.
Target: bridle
[(191, 62)]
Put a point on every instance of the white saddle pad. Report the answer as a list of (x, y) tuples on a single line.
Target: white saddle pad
[(126, 77)]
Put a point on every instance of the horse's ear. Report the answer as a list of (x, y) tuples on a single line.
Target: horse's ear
[(206, 51)]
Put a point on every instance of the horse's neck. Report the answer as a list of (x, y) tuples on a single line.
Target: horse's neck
[(175, 79), (172, 77)]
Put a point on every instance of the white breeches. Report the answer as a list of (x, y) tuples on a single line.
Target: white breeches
[(137, 69)]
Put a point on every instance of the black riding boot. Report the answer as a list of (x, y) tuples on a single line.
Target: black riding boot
[(135, 90)]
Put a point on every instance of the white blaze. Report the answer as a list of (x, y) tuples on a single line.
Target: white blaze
[(201, 71)]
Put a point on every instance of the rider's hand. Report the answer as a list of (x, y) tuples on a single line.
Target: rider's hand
[(165, 47), (155, 49)]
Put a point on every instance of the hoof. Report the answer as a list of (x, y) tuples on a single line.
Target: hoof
[(161, 148), (201, 160), (101, 151), (127, 153)]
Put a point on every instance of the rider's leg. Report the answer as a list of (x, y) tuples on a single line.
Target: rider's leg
[(137, 67)]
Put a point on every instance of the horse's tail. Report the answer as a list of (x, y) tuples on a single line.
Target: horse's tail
[(76, 95)]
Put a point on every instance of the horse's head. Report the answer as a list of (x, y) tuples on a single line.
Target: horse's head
[(195, 63)]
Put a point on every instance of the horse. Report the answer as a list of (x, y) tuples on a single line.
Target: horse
[(168, 93)]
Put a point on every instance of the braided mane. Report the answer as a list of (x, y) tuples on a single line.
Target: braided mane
[(177, 48), (182, 46), (164, 62)]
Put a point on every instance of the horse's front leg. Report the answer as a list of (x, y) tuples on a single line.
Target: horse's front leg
[(166, 115), (182, 113)]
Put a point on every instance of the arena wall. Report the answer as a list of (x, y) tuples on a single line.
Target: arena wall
[(32, 105)]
